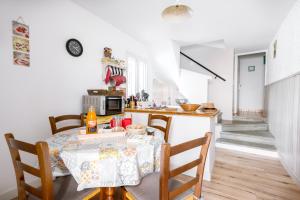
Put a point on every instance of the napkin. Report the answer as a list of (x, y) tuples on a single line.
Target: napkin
[(84, 136)]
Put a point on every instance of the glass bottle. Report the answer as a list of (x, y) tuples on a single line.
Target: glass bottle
[(91, 121), (132, 102)]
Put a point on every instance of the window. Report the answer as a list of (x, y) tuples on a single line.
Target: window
[(137, 77), (131, 76), (142, 78)]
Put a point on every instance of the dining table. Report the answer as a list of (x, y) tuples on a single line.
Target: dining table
[(105, 160)]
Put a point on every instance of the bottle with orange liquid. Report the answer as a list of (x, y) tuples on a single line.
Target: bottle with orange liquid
[(91, 121)]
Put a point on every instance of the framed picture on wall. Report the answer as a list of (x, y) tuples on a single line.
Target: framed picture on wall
[(251, 68), (20, 29), (21, 59), (20, 42)]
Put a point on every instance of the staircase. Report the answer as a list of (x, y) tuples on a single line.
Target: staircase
[(251, 134)]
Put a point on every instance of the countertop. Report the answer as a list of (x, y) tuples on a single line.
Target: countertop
[(179, 111)]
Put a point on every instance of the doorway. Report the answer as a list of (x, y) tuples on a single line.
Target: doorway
[(251, 84)]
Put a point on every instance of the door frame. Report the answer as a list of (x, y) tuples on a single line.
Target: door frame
[(236, 76)]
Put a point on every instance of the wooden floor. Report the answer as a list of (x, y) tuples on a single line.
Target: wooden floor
[(241, 176)]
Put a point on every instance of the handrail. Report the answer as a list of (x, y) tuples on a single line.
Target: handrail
[(216, 75)]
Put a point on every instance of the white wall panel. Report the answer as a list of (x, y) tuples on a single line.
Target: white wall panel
[(284, 118)]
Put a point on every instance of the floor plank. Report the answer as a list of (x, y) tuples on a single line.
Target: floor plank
[(241, 176)]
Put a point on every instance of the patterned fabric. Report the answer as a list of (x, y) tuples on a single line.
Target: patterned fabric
[(105, 162)]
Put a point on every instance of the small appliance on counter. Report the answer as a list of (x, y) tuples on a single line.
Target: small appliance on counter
[(103, 104)]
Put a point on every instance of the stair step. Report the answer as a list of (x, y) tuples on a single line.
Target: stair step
[(229, 126), (263, 137), (247, 144), (250, 119)]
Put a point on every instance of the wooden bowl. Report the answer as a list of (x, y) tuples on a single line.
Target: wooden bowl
[(189, 107)]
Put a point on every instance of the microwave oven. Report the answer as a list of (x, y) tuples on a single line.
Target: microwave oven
[(104, 105)]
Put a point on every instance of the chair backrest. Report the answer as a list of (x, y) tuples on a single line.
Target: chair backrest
[(165, 129), (54, 120), (41, 150), (166, 173)]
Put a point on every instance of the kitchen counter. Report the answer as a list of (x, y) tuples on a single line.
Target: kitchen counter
[(185, 126), (173, 112)]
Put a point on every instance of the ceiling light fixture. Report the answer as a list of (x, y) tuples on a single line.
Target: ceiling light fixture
[(177, 13)]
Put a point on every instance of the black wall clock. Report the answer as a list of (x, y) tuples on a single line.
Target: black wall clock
[(74, 47)]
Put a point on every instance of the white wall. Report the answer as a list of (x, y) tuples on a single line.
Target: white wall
[(251, 84), (191, 85), (165, 60), (287, 61), (283, 92), (55, 81), (221, 61), (194, 86)]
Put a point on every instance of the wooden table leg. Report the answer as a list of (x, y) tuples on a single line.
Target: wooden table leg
[(101, 195), (109, 193)]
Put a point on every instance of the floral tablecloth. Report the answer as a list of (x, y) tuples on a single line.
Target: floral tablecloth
[(105, 162)]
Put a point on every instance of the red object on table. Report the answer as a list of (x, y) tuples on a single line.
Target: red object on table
[(126, 122), (112, 123)]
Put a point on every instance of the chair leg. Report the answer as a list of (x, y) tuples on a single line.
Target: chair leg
[(192, 197), (126, 195), (93, 194)]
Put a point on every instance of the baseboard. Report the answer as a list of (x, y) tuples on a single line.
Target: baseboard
[(290, 172), (249, 150), (241, 111), (13, 193)]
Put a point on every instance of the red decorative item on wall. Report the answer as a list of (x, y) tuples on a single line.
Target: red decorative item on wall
[(118, 80), (114, 69), (107, 77), (114, 75)]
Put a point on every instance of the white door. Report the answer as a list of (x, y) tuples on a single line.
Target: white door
[(251, 83)]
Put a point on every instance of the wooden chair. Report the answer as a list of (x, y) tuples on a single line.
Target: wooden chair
[(55, 120), (165, 129), (62, 188), (170, 188)]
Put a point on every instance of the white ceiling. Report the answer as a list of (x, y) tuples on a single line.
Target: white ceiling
[(245, 25)]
